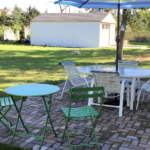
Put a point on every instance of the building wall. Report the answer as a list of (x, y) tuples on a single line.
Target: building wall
[(66, 34), (112, 34)]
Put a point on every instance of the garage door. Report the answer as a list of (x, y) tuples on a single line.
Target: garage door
[(105, 35)]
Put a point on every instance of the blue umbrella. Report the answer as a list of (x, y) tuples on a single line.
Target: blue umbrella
[(113, 4)]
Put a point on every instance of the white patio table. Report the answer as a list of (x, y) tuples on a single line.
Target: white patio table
[(131, 73)]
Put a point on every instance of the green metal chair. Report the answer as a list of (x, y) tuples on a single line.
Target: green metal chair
[(4, 102), (87, 111)]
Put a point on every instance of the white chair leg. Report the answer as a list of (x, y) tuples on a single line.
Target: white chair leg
[(143, 96), (121, 99), (63, 89), (138, 98), (106, 95), (90, 101), (132, 93), (128, 94)]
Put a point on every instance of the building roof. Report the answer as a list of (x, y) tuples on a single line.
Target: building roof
[(70, 17), (7, 10)]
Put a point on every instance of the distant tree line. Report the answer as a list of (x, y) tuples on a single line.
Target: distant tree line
[(19, 19)]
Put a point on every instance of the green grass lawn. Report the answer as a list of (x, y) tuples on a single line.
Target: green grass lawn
[(141, 44), (20, 64)]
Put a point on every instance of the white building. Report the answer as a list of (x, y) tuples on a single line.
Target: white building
[(73, 30)]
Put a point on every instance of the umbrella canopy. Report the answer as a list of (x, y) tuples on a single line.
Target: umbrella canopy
[(124, 4), (112, 4)]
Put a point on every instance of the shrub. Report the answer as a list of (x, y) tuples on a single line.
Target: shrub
[(4, 146), (1, 35), (28, 36)]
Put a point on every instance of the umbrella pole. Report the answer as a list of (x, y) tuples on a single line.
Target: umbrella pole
[(117, 37)]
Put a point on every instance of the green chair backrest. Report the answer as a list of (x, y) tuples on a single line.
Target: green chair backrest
[(6, 101), (100, 94)]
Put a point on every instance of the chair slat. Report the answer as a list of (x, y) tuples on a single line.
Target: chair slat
[(6, 101), (128, 63), (86, 89), (80, 111), (110, 81), (2, 102), (86, 95)]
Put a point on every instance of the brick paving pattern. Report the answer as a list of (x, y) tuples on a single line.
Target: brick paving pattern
[(130, 132)]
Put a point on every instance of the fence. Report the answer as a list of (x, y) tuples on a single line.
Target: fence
[(132, 35)]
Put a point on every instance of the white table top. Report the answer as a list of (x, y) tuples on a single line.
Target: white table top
[(123, 72)]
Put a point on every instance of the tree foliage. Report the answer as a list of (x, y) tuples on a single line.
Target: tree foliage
[(5, 20), (138, 20), (17, 16), (29, 15)]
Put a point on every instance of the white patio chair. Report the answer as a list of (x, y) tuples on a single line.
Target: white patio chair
[(75, 77), (144, 88), (111, 82), (130, 64)]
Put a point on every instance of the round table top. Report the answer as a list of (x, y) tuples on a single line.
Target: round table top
[(32, 90), (123, 72)]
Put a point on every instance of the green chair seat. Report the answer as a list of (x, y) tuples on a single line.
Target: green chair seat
[(6, 101), (80, 112)]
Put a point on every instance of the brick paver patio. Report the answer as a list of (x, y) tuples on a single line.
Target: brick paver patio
[(132, 131)]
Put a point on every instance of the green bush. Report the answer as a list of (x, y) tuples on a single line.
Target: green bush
[(4, 146), (1, 35), (28, 36)]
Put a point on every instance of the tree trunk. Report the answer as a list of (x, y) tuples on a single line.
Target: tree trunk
[(122, 33)]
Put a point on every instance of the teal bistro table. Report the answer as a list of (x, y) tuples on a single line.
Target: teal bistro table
[(33, 90)]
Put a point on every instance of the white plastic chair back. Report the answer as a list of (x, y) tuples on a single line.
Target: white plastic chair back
[(111, 81), (128, 63), (146, 86), (73, 73), (70, 67)]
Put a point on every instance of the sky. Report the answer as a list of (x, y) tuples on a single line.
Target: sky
[(41, 5)]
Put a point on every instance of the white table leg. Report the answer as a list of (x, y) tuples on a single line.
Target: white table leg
[(132, 93), (90, 101)]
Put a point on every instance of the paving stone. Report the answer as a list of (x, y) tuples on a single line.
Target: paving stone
[(106, 147), (135, 142), (124, 148), (143, 141), (125, 144), (136, 147), (56, 145)]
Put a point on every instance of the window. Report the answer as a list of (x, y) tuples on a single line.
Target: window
[(105, 26)]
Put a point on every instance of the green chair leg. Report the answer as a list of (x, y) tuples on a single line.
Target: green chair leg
[(6, 117), (93, 126), (3, 116), (66, 122), (68, 138), (95, 133), (6, 126)]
